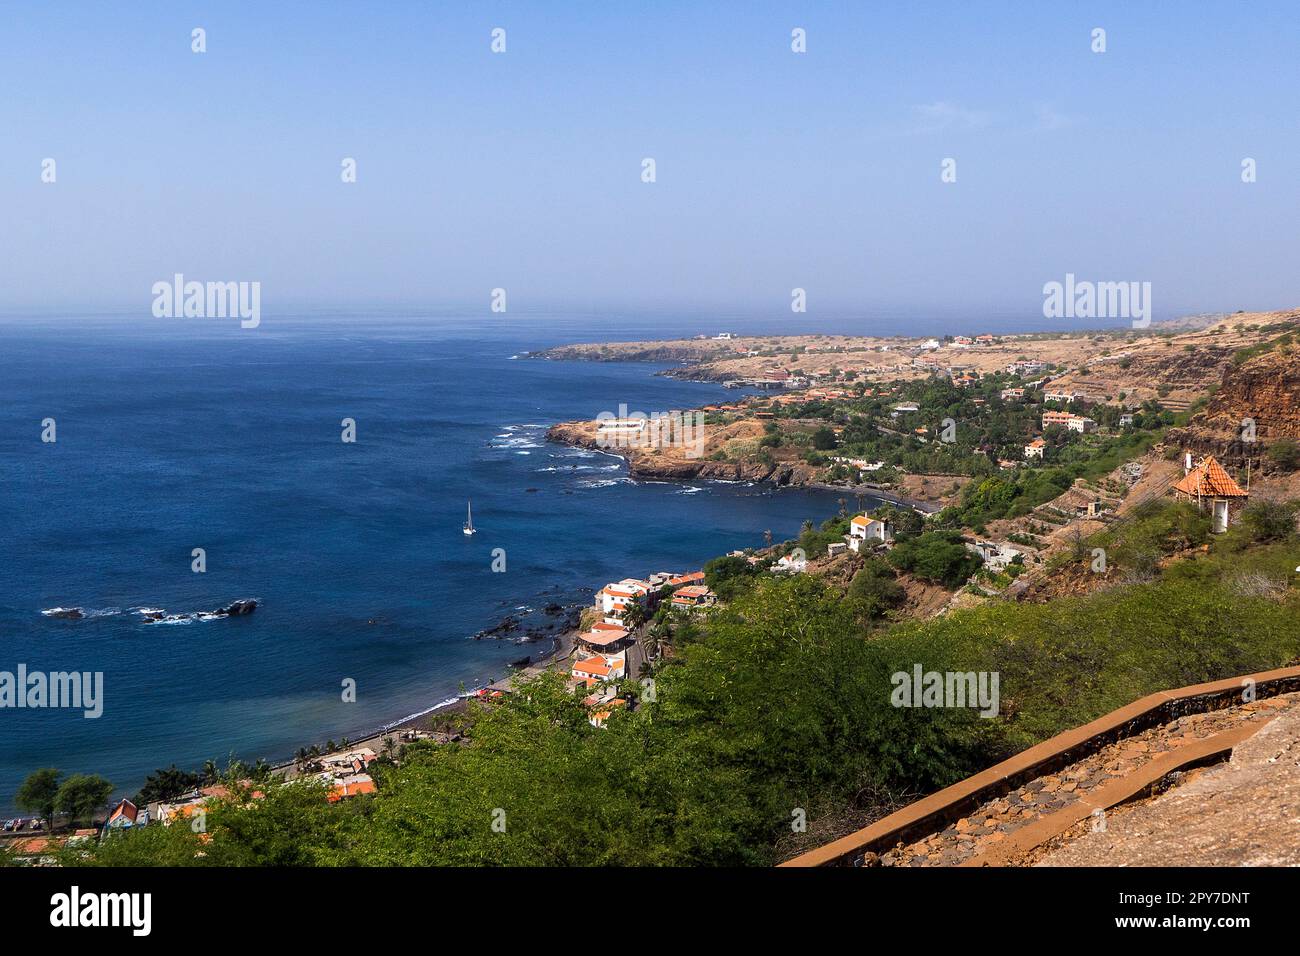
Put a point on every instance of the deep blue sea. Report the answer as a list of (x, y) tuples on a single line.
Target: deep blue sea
[(182, 434)]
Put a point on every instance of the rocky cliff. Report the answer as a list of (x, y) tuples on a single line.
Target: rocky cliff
[(675, 464), (1264, 390)]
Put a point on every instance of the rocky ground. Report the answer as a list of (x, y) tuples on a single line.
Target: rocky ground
[(994, 820), (1245, 812), (675, 462), (1179, 359)]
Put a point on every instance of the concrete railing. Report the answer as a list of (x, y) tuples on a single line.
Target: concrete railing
[(931, 814)]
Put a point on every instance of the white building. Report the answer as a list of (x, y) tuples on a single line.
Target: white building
[(866, 531), (615, 598), (1035, 449), (791, 564), (996, 557), (1080, 424)]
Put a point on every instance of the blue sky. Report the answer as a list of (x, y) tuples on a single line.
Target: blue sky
[(775, 170)]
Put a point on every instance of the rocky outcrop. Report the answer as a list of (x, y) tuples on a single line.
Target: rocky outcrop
[(238, 608), (1265, 391), (618, 352), (674, 465)]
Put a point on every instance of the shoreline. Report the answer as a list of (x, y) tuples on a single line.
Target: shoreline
[(562, 645)]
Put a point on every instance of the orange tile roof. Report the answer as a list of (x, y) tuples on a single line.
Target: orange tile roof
[(125, 809), (351, 789), (602, 638), (593, 665), (686, 578), (1209, 479)]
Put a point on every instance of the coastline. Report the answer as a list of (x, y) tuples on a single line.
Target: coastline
[(561, 647)]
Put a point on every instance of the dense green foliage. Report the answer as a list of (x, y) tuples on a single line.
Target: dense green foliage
[(39, 793), (782, 704), (81, 795), (1285, 453), (937, 556), (167, 784)]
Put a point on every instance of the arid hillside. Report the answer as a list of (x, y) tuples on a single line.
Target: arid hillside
[(1255, 406), (669, 460), (1175, 362)]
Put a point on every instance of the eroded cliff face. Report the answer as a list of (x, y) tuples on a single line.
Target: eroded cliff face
[(1264, 390), (675, 464)]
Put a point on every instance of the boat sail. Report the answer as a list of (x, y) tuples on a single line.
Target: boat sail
[(469, 518)]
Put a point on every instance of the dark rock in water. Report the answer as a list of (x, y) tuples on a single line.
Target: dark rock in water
[(507, 624), (66, 613), (522, 662), (553, 609), (530, 490), (153, 615), (246, 606)]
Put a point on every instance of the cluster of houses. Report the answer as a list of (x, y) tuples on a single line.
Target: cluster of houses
[(600, 658)]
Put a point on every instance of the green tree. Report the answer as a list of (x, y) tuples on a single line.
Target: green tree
[(937, 556), (81, 795), (1285, 453), (726, 576), (167, 784), (38, 793), (876, 588)]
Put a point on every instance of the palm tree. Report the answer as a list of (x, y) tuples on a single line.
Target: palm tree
[(767, 536), (210, 771)]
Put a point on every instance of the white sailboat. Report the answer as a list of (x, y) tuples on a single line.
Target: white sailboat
[(469, 518)]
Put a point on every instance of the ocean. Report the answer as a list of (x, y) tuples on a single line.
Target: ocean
[(180, 434)]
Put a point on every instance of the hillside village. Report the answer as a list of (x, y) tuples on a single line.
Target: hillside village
[(994, 486)]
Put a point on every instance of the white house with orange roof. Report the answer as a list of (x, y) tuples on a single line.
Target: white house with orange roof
[(794, 563), (693, 596), (864, 529), (1061, 419), (599, 669), (1035, 449), (616, 598), (1212, 490)]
